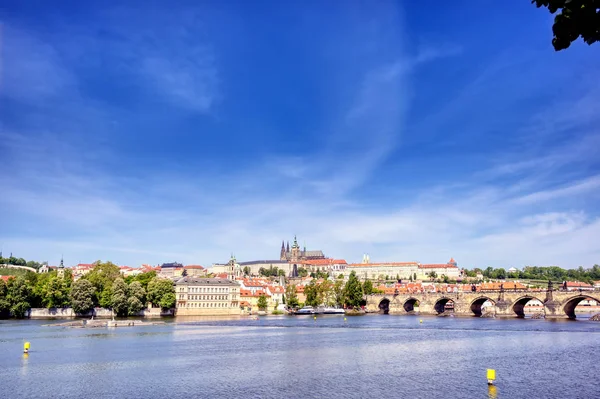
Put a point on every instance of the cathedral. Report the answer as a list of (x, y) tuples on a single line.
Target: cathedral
[(295, 254)]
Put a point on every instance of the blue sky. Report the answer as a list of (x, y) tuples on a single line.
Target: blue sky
[(154, 132)]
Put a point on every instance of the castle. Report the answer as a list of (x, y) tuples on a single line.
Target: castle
[(295, 254)]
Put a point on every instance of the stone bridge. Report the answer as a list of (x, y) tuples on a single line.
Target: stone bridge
[(557, 304)]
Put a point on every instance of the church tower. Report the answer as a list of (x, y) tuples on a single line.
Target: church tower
[(283, 252), (295, 255)]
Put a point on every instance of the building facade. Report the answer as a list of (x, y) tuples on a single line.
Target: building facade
[(207, 296), (368, 270)]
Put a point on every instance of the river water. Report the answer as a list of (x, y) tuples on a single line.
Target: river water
[(298, 357)]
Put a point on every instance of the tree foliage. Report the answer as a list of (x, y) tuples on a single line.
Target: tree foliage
[(368, 287), (119, 297), (576, 18), (82, 296), (137, 298), (18, 294), (311, 291), (102, 277), (262, 302), (161, 292), (353, 292), (291, 296)]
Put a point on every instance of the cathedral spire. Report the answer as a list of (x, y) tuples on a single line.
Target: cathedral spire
[(288, 247)]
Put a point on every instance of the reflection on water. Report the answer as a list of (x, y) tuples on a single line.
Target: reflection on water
[(288, 357)]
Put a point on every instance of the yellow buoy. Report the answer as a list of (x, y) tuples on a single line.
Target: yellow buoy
[(315, 317), (491, 376), (345, 319), (421, 321), (26, 347)]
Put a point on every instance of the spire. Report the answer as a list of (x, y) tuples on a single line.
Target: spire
[(295, 242), (282, 245), (62, 265), (288, 247)]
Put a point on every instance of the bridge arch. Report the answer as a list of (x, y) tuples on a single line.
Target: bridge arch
[(440, 304), (519, 304), (384, 306), (409, 304), (477, 303), (570, 304)]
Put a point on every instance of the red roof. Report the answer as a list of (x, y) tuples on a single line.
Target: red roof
[(6, 278), (222, 275), (193, 267), (452, 260)]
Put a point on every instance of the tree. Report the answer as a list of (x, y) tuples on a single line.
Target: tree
[(4, 302), (338, 292), (415, 277), (353, 291), (161, 292), (262, 302), (102, 277), (576, 18), (119, 297), (291, 296), (445, 279), (82, 294), (137, 298), (144, 278), (311, 291), (247, 270), (432, 275), (368, 287), (18, 294), (168, 300), (302, 272), (281, 272), (55, 293)]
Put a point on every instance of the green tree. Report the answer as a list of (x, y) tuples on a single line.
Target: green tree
[(353, 292), (291, 296), (576, 18), (137, 298), (144, 278), (168, 300), (247, 270), (119, 297), (102, 277), (311, 291), (4, 302), (432, 275), (302, 272), (161, 292), (281, 272), (415, 277), (262, 302), (19, 296), (55, 293), (368, 287), (338, 292), (82, 296), (445, 278)]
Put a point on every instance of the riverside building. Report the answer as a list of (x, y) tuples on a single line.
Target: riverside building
[(207, 296)]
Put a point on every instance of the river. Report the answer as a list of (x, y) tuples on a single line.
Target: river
[(298, 357)]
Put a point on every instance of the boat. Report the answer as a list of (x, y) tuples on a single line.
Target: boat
[(305, 310), (332, 310)]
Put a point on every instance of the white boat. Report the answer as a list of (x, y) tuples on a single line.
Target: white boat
[(331, 310), (305, 310)]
